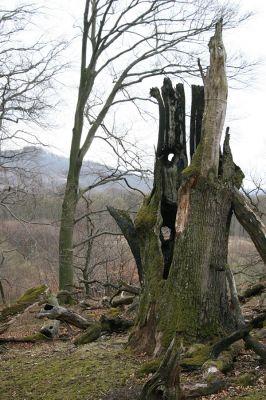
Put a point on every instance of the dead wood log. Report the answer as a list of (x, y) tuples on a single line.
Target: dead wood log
[(250, 222), (203, 389), (64, 315), (237, 335), (256, 346), (252, 291), (115, 324), (105, 325), (36, 337), (122, 301), (166, 376), (51, 330), (215, 98), (28, 299), (24, 303)]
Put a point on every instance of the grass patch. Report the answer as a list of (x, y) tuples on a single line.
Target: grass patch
[(68, 373)]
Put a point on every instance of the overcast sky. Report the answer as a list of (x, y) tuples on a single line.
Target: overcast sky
[(246, 104)]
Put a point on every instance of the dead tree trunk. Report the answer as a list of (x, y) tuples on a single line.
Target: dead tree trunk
[(182, 228)]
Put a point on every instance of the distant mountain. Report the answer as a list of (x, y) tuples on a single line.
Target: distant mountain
[(50, 170)]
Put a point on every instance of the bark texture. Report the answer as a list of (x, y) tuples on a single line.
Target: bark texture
[(183, 225)]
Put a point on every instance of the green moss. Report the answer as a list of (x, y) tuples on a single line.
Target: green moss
[(194, 167), (32, 295), (225, 360), (88, 372), (35, 337), (196, 355), (113, 312), (11, 311), (246, 379), (29, 297), (147, 215), (238, 177), (148, 367), (90, 335)]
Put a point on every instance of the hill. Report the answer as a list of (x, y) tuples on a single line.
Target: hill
[(51, 170)]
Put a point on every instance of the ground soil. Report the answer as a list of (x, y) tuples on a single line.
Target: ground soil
[(103, 370)]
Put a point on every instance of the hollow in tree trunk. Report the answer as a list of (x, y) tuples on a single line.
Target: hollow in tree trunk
[(183, 226)]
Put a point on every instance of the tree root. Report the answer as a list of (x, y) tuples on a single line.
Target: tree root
[(237, 335), (167, 376)]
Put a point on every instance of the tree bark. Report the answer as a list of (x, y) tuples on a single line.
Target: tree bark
[(67, 225), (183, 226)]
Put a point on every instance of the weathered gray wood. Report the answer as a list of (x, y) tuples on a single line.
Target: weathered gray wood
[(64, 315), (215, 98)]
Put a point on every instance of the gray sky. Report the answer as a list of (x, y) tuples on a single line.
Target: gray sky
[(246, 104)]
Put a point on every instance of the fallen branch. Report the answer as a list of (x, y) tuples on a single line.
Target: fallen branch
[(252, 291), (64, 315), (31, 298), (203, 389), (25, 339), (237, 335), (256, 346), (122, 301), (105, 325)]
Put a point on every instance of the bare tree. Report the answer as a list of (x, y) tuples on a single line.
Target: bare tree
[(28, 72), (123, 43)]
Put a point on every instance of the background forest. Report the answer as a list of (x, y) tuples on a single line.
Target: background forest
[(29, 233), (136, 261)]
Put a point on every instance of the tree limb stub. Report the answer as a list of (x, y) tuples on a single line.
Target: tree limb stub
[(64, 315), (128, 229), (216, 89), (250, 222)]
